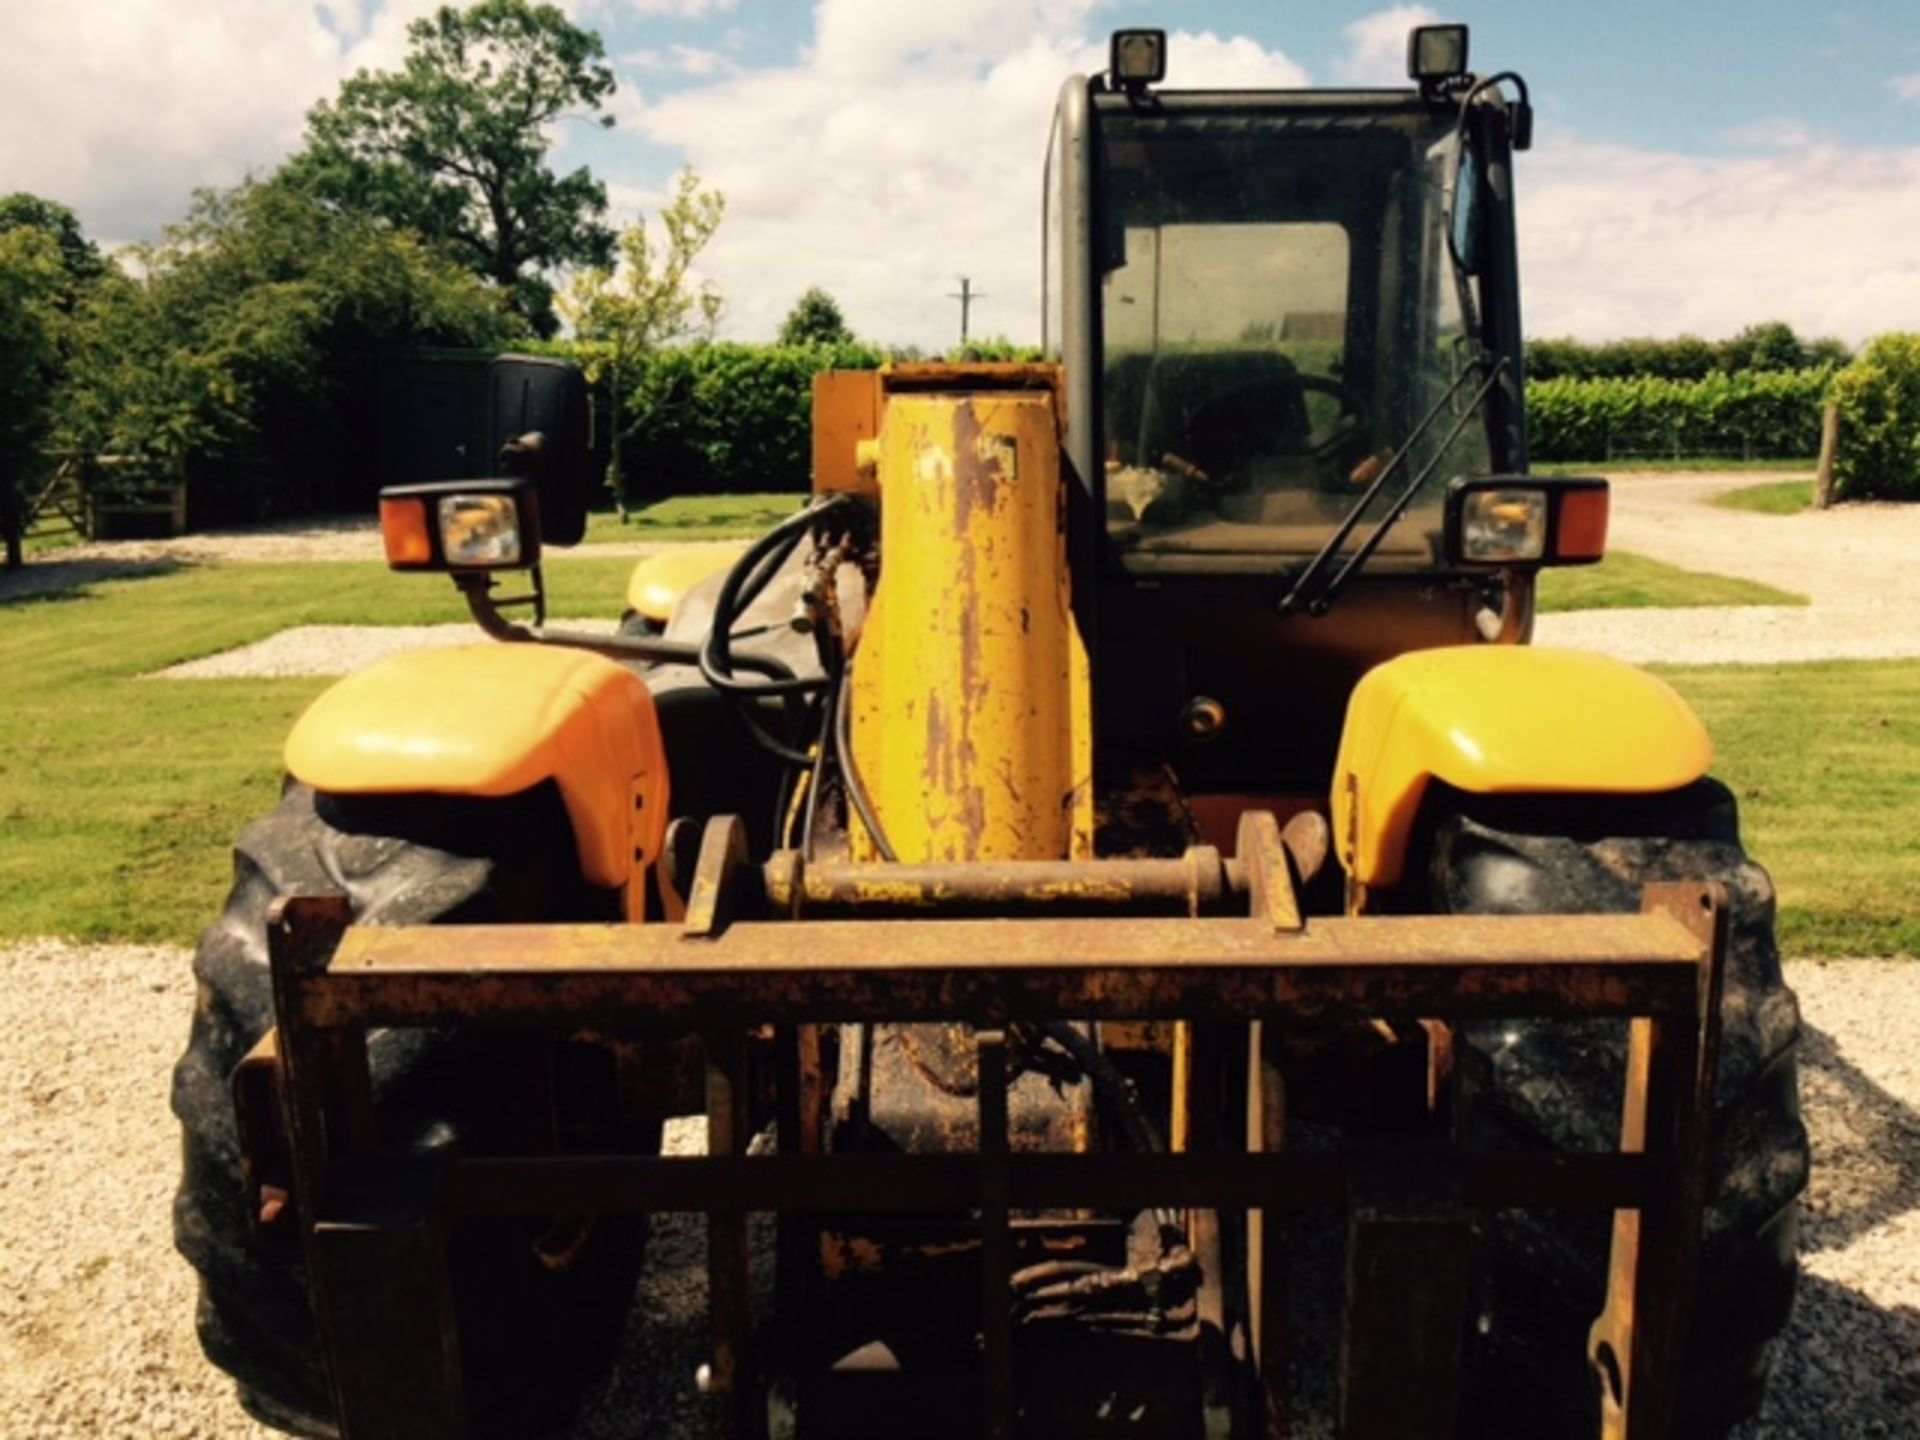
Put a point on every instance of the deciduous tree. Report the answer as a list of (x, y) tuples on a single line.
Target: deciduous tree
[(454, 145), (649, 300), (32, 285), (815, 320)]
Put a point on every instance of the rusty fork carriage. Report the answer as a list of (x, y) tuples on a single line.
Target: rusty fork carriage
[(1228, 955)]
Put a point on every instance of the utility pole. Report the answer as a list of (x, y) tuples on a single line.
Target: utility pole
[(966, 295)]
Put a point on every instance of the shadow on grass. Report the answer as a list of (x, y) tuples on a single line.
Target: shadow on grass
[(56, 579)]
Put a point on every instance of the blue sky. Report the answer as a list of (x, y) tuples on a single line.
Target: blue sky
[(1699, 166), (1630, 71)]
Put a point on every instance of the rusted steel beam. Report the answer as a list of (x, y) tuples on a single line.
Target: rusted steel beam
[(989, 971), (949, 1184), (996, 1240), (1200, 882), (730, 1383), (1638, 1343)]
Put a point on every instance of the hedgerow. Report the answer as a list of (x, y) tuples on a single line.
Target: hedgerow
[(1878, 397), (1755, 414)]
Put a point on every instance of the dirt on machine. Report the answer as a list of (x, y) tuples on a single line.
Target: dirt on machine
[(1157, 951)]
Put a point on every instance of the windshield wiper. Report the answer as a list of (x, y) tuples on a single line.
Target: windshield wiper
[(1322, 602)]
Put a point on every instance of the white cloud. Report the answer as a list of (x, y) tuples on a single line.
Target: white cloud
[(1779, 133), (680, 9), (1906, 87), (904, 150), (120, 111), (681, 60), (1618, 241), (1377, 46)]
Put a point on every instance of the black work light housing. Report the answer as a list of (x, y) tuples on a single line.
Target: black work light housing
[(1137, 58), (1436, 53)]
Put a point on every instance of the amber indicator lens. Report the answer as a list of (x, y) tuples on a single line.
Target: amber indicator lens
[(403, 527), (1582, 531)]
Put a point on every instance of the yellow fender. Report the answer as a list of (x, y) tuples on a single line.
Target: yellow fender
[(1500, 720), (658, 581), (493, 720)]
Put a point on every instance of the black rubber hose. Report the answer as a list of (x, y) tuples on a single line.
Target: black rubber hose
[(749, 575), (850, 772)]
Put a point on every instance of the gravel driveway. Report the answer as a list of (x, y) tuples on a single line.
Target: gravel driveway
[(95, 1309), (1854, 563), (96, 1336)]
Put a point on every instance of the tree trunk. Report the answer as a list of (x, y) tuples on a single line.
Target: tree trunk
[(1829, 451), (616, 470), (12, 522)]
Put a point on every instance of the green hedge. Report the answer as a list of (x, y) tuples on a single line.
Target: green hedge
[(1878, 397), (719, 418), (1754, 414)]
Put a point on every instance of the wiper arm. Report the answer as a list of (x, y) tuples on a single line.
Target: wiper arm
[(1317, 566)]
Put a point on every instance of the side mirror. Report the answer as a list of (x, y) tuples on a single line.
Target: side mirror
[(539, 434), (1463, 210)]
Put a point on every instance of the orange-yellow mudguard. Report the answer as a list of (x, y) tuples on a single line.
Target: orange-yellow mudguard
[(1500, 720), (494, 720)]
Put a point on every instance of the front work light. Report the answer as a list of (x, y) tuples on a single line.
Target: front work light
[(1436, 53), (481, 530), (1519, 522), (461, 525), (1138, 58)]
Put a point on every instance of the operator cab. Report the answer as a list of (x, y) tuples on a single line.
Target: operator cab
[(1289, 324), (1266, 304)]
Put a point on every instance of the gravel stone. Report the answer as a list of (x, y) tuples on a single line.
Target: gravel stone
[(96, 1309)]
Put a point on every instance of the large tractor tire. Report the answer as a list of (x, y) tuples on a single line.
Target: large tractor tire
[(1546, 1084), (534, 1333)]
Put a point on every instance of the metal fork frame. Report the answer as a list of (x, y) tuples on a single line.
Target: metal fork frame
[(374, 1221)]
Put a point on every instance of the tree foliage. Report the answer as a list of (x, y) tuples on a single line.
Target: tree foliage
[(80, 261), (815, 320), (1878, 396), (1770, 346), (244, 354), (454, 145), (649, 301), (34, 286)]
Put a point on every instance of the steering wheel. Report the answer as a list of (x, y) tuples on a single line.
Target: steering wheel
[(1351, 420), (1249, 420)]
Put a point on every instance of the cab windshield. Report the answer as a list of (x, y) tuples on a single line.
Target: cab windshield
[(1278, 313)]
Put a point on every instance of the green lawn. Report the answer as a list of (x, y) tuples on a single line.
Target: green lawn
[(1778, 497), (1658, 465), (1633, 582), (695, 517), (120, 797), (1825, 760)]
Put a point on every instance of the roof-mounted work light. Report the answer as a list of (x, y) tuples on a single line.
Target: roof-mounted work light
[(1137, 58), (1436, 54)]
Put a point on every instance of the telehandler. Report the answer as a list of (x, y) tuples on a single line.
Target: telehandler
[(1167, 954)]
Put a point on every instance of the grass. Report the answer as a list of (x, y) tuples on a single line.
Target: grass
[(695, 517), (1633, 582), (1665, 465), (1780, 497), (120, 797), (1825, 760)]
